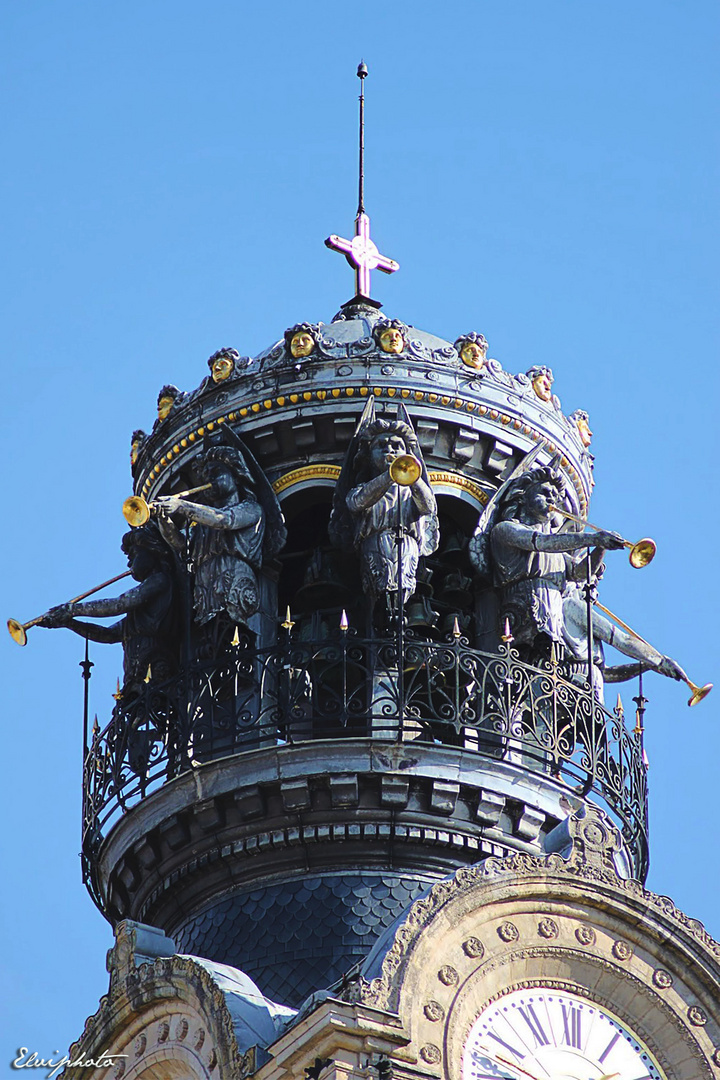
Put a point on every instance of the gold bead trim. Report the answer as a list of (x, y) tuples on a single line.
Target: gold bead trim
[(363, 391), (463, 482), (307, 472), (332, 472)]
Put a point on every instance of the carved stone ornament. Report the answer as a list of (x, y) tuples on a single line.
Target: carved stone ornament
[(172, 999), (697, 1016), (585, 935), (662, 979), (621, 950), (548, 928), (716, 1057), (431, 1054), (434, 1011), (448, 975), (473, 948), (588, 900), (181, 1030)]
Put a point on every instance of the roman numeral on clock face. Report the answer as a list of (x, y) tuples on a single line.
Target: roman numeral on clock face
[(518, 1053), (530, 1017), (609, 1047), (572, 1023)]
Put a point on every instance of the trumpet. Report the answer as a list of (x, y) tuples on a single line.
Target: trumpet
[(642, 551), (405, 469), (698, 692), (137, 511), (18, 630)]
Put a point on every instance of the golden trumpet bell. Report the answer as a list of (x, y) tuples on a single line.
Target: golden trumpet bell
[(699, 692), (642, 553), (136, 511), (405, 470), (17, 631)]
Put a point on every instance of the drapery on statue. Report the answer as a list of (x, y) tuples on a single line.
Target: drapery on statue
[(147, 631), (370, 509), (241, 526), (530, 562)]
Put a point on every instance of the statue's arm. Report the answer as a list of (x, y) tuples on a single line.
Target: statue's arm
[(107, 635), (236, 517), (624, 672), (626, 643), (518, 535), (423, 497), (649, 657), (366, 495), (65, 614), (127, 601)]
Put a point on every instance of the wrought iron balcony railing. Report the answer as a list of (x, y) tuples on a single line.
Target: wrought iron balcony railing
[(536, 717)]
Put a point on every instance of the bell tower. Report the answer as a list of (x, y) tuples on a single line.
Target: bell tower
[(361, 808)]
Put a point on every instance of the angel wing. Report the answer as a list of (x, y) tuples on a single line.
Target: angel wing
[(478, 545), (275, 531), (340, 526)]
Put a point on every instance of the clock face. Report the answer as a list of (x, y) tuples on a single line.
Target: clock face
[(544, 1034)]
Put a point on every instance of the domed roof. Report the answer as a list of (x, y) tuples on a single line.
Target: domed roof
[(297, 402)]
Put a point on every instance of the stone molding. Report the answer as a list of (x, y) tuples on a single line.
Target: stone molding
[(160, 1017), (559, 922), (241, 826)]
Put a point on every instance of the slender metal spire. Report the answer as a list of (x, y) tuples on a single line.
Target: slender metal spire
[(362, 76), (361, 252)]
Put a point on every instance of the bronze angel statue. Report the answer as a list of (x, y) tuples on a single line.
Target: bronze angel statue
[(236, 530), (390, 520)]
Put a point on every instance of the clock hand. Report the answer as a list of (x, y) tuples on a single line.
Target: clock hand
[(605, 1076), (511, 1064)]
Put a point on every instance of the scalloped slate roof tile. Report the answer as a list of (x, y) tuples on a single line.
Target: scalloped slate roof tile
[(299, 936)]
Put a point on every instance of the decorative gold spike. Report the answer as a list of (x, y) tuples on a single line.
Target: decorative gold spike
[(619, 706), (118, 692), (236, 637), (95, 727), (148, 677), (506, 636), (638, 729), (456, 628), (344, 624), (289, 623)]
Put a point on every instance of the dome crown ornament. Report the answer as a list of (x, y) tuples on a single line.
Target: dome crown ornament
[(361, 253)]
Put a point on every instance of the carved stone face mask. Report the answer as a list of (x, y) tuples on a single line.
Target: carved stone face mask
[(472, 355), (165, 404), (584, 431), (222, 368), (301, 344), (391, 341), (543, 387)]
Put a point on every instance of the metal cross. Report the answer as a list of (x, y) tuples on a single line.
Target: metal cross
[(362, 254)]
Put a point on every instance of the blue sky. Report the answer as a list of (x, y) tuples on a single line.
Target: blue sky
[(545, 174)]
